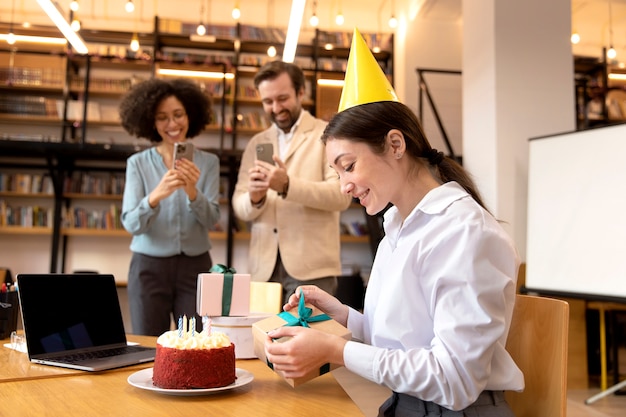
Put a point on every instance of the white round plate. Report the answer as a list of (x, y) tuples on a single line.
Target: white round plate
[(143, 379)]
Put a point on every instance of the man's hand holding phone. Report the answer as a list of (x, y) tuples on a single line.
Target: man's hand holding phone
[(266, 173)]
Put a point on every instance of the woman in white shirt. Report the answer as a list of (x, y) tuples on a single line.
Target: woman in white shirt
[(440, 296)]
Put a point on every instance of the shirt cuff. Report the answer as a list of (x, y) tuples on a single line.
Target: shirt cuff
[(359, 358)]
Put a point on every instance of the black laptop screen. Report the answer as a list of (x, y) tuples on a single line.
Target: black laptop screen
[(69, 311)]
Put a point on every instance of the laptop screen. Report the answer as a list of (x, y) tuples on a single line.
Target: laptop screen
[(61, 312)]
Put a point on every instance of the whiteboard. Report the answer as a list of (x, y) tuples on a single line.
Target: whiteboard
[(576, 241)]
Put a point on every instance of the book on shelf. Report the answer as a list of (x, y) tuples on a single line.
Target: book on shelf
[(25, 216), (102, 219), (26, 183), (81, 182), (75, 109), (353, 228), (31, 77), (28, 105)]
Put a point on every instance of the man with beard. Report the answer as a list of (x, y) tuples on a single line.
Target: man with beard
[(294, 204)]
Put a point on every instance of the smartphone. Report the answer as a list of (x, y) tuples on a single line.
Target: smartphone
[(264, 152), (183, 150)]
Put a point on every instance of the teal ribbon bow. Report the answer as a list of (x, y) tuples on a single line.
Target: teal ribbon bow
[(304, 314), (227, 290), (305, 318)]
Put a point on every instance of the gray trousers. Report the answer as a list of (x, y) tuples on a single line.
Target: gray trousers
[(162, 289), (488, 404)]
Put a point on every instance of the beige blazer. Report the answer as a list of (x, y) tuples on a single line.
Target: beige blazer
[(305, 225)]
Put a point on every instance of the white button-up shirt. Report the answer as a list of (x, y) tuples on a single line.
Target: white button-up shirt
[(439, 304)]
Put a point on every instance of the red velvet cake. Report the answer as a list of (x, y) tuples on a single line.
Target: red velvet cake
[(193, 362)]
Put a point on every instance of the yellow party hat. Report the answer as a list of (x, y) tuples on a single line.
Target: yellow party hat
[(365, 82)]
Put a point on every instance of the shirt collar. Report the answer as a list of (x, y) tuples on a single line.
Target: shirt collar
[(434, 202)]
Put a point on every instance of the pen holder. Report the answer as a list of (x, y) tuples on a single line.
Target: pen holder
[(9, 309)]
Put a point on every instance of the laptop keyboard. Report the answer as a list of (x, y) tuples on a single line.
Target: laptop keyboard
[(79, 357)]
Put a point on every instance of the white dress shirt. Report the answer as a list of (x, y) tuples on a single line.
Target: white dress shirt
[(439, 303)]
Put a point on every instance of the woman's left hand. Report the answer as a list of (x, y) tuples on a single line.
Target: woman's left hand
[(189, 173), (304, 350)]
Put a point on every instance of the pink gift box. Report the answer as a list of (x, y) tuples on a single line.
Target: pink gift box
[(212, 300)]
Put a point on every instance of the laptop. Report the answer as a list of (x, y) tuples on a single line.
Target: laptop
[(75, 321)]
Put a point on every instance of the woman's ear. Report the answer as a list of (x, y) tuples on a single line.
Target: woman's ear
[(396, 143)]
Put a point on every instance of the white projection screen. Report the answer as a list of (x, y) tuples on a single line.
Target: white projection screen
[(577, 214)]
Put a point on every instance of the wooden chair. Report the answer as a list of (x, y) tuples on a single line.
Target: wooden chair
[(266, 297), (538, 343)]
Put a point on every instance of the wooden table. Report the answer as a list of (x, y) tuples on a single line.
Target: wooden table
[(36, 390)]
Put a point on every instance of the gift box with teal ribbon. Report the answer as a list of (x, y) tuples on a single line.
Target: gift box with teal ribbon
[(306, 316), (223, 292)]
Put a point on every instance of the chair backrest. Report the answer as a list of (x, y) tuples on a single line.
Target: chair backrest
[(266, 297), (537, 342)]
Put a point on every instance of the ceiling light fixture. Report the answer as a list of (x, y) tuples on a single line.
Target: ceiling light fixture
[(330, 83), (74, 6), (617, 76), (293, 30), (11, 36), (376, 46), (393, 22), (314, 20), (271, 51), (129, 6), (575, 39), (75, 25), (134, 43), (195, 74), (236, 13), (48, 40), (611, 53), (339, 20), (201, 29), (55, 15)]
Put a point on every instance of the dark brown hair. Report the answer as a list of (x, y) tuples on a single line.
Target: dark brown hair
[(138, 107), (273, 69), (370, 123)]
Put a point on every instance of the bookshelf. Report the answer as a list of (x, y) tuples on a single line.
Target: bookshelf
[(73, 129)]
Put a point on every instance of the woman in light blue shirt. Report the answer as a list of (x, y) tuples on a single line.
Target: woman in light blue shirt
[(169, 206)]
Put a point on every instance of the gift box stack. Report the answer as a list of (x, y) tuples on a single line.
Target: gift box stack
[(223, 295)]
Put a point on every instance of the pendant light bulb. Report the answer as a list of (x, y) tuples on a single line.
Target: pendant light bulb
[(271, 51), (201, 29), (74, 6), (611, 53), (339, 19), (393, 22), (75, 25), (134, 43), (236, 13), (575, 38), (11, 38), (314, 20), (130, 6)]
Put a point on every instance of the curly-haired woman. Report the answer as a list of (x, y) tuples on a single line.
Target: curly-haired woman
[(169, 205)]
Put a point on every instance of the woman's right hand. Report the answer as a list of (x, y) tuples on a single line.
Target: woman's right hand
[(320, 299), (169, 183)]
